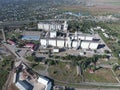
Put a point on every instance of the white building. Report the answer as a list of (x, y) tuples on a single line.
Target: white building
[(53, 26), (106, 35), (76, 40), (89, 45), (49, 26), (74, 44), (85, 44), (89, 38), (61, 43), (53, 42), (83, 37), (53, 34), (43, 42), (56, 50), (65, 26), (93, 45), (45, 82)]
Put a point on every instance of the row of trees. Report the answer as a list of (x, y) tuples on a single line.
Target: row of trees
[(83, 26), (84, 62)]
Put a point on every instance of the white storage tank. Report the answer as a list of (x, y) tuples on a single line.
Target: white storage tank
[(89, 38), (93, 45), (46, 26), (43, 42), (69, 42), (60, 43), (85, 45), (74, 44), (81, 37), (53, 34), (40, 26), (52, 42), (56, 50)]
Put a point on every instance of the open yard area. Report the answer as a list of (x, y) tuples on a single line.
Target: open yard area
[(101, 75), (64, 72)]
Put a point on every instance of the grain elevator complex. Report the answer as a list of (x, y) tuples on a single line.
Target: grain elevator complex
[(58, 36)]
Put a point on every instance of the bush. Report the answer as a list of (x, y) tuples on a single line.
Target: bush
[(31, 58)]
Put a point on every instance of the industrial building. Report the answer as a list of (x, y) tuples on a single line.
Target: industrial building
[(10, 42), (53, 26), (24, 85), (83, 41), (25, 79), (31, 35), (61, 43), (45, 82)]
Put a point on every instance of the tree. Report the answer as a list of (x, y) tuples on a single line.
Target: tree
[(95, 59), (49, 53), (115, 67), (31, 58), (51, 62)]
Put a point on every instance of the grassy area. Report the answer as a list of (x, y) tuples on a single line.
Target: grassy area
[(67, 73), (101, 75), (113, 3), (86, 86), (115, 28), (64, 72), (39, 67), (5, 67), (3, 77), (118, 73), (102, 36), (12, 34), (107, 62), (115, 32)]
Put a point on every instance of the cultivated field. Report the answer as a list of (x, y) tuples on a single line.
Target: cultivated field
[(100, 7)]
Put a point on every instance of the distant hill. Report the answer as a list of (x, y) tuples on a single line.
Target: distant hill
[(64, 2)]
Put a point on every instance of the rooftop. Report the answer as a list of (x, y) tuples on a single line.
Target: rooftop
[(30, 37), (31, 33)]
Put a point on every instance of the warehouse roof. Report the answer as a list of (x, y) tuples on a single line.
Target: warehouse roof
[(24, 85), (30, 37)]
